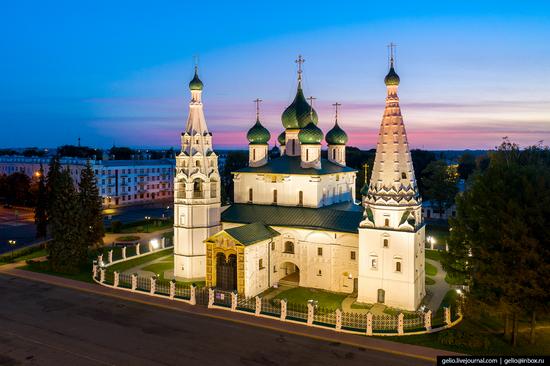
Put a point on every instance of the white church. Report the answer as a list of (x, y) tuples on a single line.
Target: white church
[(295, 220)]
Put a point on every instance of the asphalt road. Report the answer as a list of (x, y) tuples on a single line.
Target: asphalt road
[(42, 324), (18, 225)]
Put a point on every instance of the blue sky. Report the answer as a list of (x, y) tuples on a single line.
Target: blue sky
[(117, 72)]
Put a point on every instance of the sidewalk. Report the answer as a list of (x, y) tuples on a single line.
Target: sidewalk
[(439, 288), (372, 343)]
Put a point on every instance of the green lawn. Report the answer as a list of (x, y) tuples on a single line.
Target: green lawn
[(430, 269), (356, 305), (454, 280), (300, 295), (433, 255), (131, 263), (160, 267), (23, 254), (84, 275), (430, 281), (143, 226)]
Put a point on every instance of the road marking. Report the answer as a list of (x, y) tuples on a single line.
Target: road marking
[(218, 317)]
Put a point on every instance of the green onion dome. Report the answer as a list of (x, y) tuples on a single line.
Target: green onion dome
[(311, 134), (336, 136), (196, 83), (392, 78), (258, 134), (297, 114), (282, 138)]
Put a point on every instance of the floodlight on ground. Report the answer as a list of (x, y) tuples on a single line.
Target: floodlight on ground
[(154, 243)]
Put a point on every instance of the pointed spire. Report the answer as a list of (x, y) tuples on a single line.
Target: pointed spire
[(257, 101), (392, 79)]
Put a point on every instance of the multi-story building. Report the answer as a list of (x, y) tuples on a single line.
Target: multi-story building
[(120, 182)]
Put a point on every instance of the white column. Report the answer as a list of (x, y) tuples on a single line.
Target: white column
[(134, 282), (172, 289), (124, 252), (233, 301), (400, 323), (137, 249), (100, 259), (309, 313), (428, 320), (283, 310), (116, 279), (102, 275), (338, 319), (111, 256), (153, 285), (369, 323), (94, 271), (210, 297), (193, 296), (447, 315), (258, 306), (163, 242)]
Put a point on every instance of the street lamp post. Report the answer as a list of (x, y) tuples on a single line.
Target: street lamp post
[(12, 244), (147, 218)]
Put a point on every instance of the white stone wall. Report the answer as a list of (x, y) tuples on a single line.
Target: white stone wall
[(320, 190), (257, 279), (404, 289)]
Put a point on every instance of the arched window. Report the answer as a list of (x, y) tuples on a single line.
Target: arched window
[(274, 196), (197, 188), (289, 247), (374, 263), (403, 175), (198, 163), (386, 222), (333, 154), (293, 146), (397, 266), (300, 198), (307, 154), (386, 243), (250, 195), (254, 154), (213, 188)]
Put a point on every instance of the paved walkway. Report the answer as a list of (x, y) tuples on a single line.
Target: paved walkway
[(109, 238), (369, 343), (140, 272), (439, 288)]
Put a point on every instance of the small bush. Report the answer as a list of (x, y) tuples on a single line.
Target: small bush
[(460, 338), (116, 226)]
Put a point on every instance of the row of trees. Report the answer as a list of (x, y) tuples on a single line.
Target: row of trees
[(72, 216), (500, 239)]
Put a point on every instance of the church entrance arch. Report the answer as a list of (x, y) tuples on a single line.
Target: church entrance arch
[(226, 272), (290, 275)]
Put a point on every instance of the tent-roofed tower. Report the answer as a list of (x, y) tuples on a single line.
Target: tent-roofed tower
[(196, 191), (391, 236)]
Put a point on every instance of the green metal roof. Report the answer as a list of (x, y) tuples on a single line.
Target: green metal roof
[(258, 134), (336, 136), (299, 113), (196, 83), (282, 138), (252, 233), (392, 78), (341, 217), (291, 165), (311, 134)]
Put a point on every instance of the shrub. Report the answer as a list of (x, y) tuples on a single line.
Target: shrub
[(116, 226), (460, 338)]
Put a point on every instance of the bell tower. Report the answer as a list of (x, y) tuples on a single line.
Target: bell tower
[(196, 191), (391, 235)]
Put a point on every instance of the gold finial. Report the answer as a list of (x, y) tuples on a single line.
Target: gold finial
[(336, 105), (311, 99), (391, 48), (257, 101), (196, 62), (300, 61)]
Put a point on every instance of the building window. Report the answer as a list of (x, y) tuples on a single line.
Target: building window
[(250, 195), (397, 266), (307, 154), (403, 175), (289, 247), (272, 245), (261, 264), (374, 263), (386, 243), (300, 198), (274, 196), (319, 273), (333, 154), (254, 154), (386, 222), (274, 269), (319, 251), (352, 255)]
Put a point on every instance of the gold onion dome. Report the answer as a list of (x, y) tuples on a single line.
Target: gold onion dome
[(258, 134), (282, 138), (310, 134), (392, 78), (299, 113), (336, 136), (196, 83)]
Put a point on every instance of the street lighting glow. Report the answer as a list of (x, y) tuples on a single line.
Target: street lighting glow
[(154, 243)]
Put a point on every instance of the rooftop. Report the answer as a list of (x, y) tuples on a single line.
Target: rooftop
[(252, 233), (291, 165), (341, 217)]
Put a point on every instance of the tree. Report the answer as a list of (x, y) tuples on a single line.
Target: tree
[(18, 189), (466, 165), (40, 209), (440, 184), (78, 151), (121, 153), (500, 236), (91, 207), (67, 252), (33, 151), (421, 159)]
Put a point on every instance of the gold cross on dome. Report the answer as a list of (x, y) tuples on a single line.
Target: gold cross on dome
[(311, 99), (336, 105), (391, 48), (257, 101), (300, 61)]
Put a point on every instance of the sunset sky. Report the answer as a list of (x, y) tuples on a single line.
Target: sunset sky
[(117, 72)]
